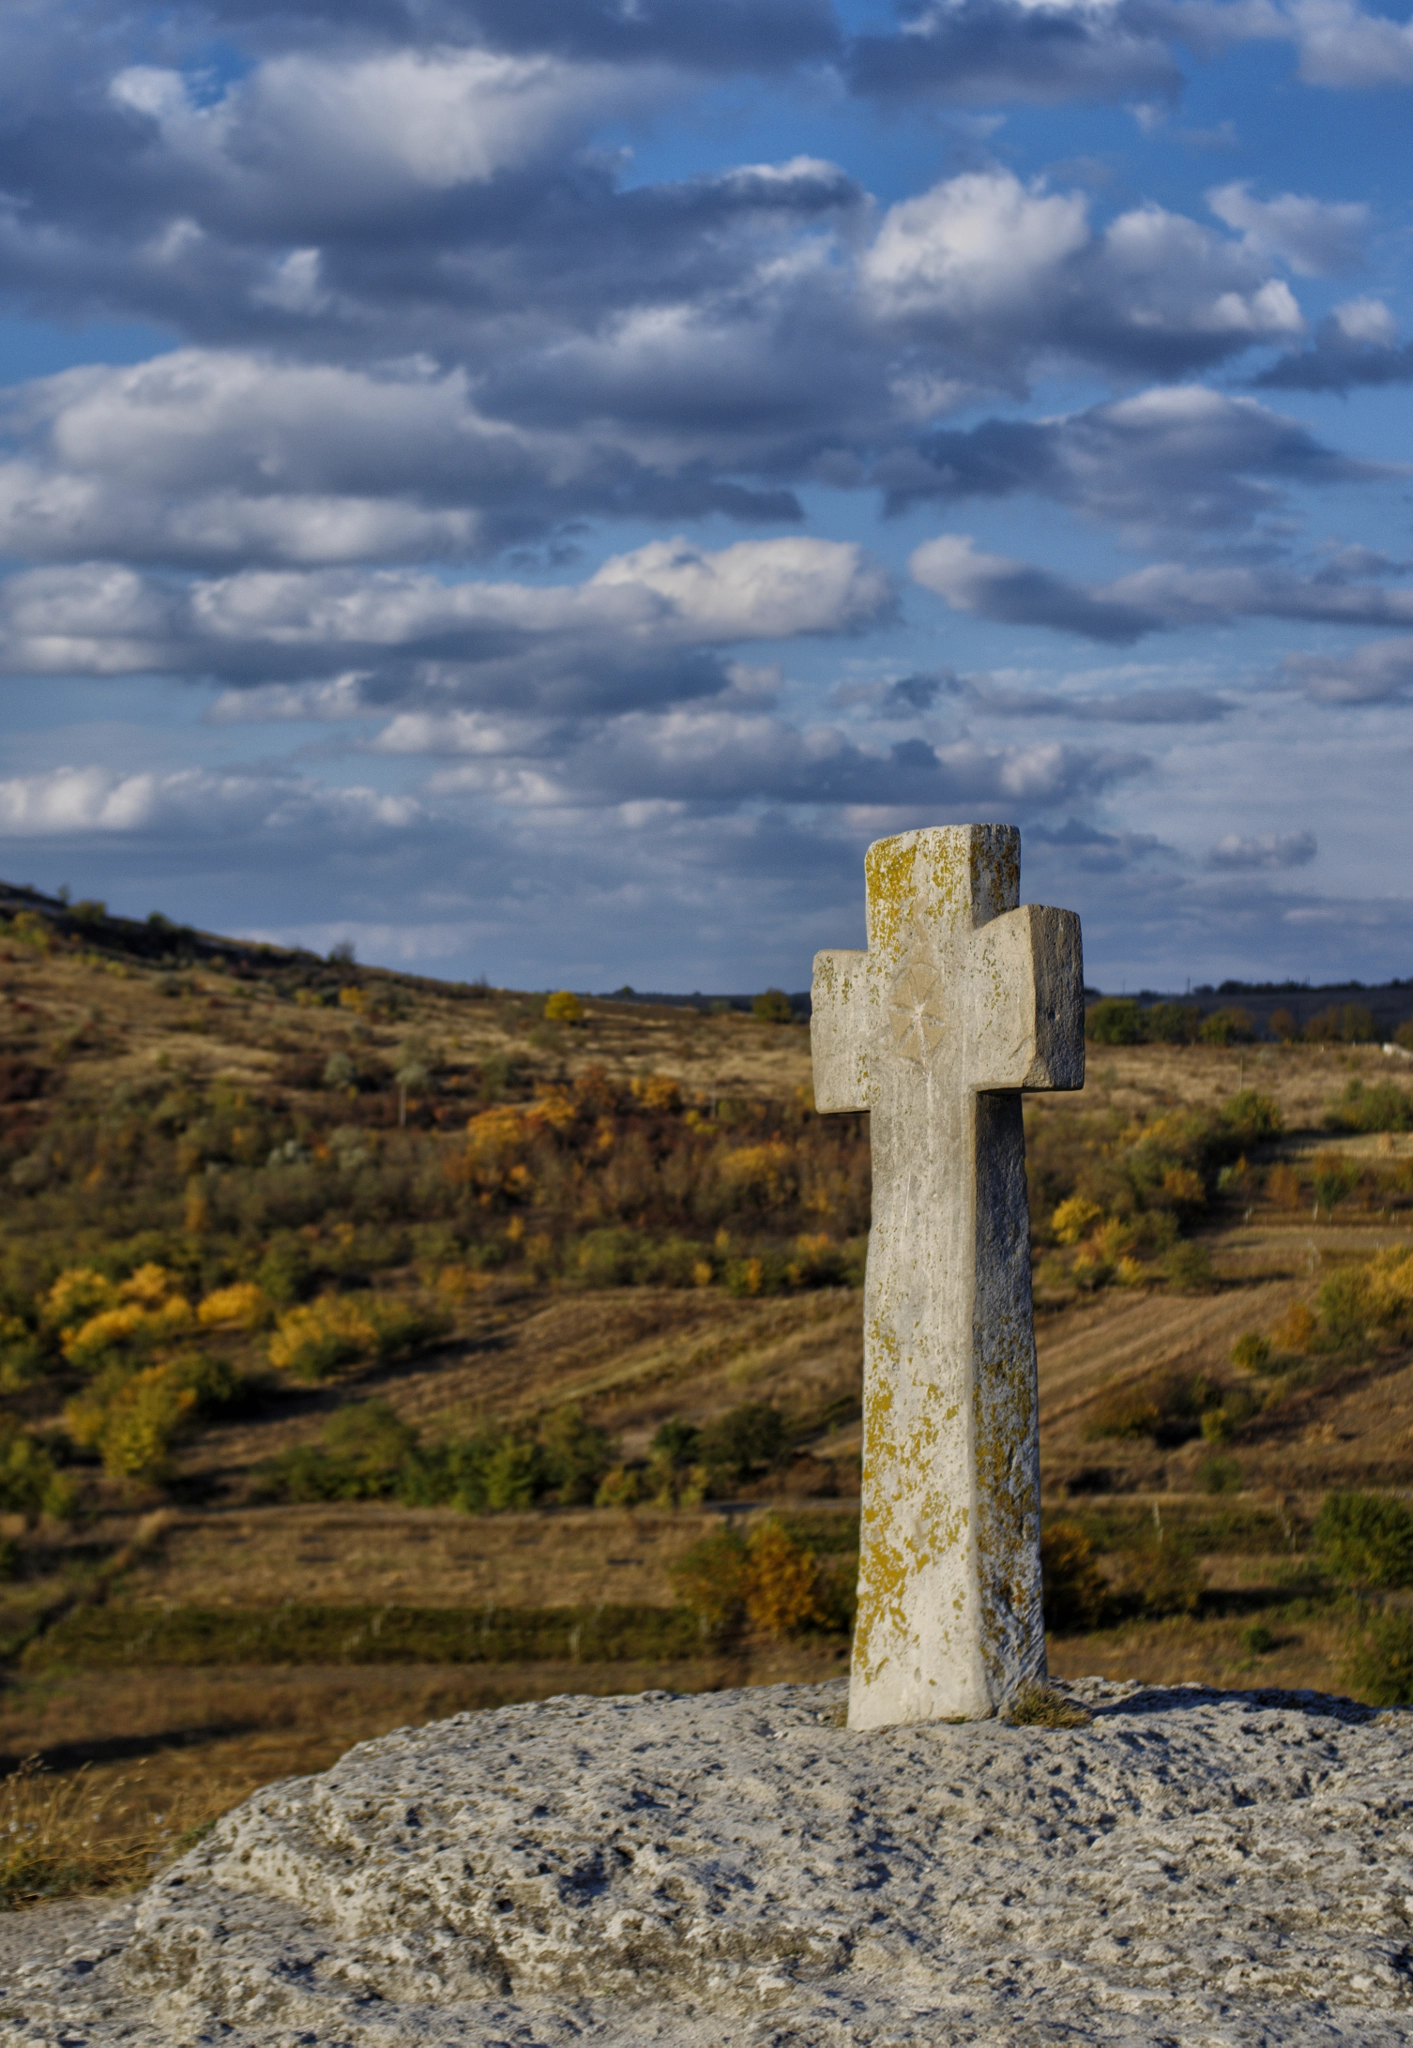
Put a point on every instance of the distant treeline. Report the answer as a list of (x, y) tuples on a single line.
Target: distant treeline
[(1130, 1020)]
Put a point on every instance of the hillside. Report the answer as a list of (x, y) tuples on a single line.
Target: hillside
[(375, 1346)]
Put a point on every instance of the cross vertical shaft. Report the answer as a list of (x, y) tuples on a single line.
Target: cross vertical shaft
[(962, 1000)]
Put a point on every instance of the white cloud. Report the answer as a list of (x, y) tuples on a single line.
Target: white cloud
[(979, 245), (1368, 321), (90, 800), (1341, 45), (338, 132), (1245, 854), (1315, 237), (757, 589), (1011, 272)]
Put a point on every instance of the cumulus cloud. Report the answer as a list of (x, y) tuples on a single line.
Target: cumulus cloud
[(1163, 596), (1356, 345), (1342, 45), (996, 587), (1380, 672), (92, 800), (979, 52), (706, 756), (1182, 457), (1316, 238), (1243, 854), (983, 260), (642, 624)]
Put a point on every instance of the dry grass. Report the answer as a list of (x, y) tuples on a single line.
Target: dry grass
[(134, 1764), (82, 1832), (1309, 1650), (1044, 1706)]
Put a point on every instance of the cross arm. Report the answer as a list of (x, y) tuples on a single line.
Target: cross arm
[(842, 999), (1028, 991)]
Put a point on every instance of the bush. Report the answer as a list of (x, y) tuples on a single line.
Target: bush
[(575, 1455), (564, 1007), (1347, 1024), (286, 1272), (29, 1482), (240, 1306), (1188, 1267), (1076, 1594), (1381, 1107), (780, 1583), (1227, 1027), (1171, 1024), (1366, 1539), (1073, 1218), (1252, 1118), (316, 1339), (772, 1008), (1294, 1328), (1251, 1352), (770, 1580), (1379, 1660), (1374, 1299), (746, 1441), (1166, 1407), (1114, 1020), (622, 1486), (710, 1580)]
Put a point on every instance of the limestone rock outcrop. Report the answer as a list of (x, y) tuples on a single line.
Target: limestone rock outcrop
[(1191, 1866)]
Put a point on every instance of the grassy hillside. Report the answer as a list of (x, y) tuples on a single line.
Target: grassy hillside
[(372, 1347)]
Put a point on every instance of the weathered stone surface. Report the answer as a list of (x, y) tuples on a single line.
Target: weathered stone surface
[(1192, 1867), (961, 1001)]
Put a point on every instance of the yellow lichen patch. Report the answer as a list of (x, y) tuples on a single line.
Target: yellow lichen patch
[(892, 891)]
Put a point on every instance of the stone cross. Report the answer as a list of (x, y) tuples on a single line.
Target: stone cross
[(961, 1001)]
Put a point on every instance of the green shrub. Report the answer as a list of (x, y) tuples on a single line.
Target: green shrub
[(1258, 1639), (30, 1484), (1366, 1539), (1379, 1660), (770, 1580), (746, 1441), (575, 1455), (1251, 1118), (1114, 1020), (1251, 1352), (710, 1580), (772, 1008), (1188, 1267), (1382, 1107), (286, 1273), (622, 1486), (1377, 1297), (1171, 1024), (1227, 1027)]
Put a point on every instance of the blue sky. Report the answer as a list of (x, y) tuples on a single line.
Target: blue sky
[(534, 488)]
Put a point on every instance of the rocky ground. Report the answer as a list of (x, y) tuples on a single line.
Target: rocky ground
[(1190, 1866)]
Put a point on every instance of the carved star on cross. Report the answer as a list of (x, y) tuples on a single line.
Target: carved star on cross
[(916, 1012)]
